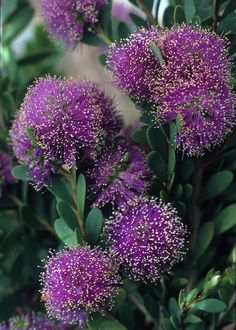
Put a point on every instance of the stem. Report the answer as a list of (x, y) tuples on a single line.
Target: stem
[(148, 317), (148, 13), (72, 182), (195, 216), (231, 304), (215, 5)]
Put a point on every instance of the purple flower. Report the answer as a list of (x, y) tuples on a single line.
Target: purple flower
[(146, 237), (119, 175), (31, 322), (78, 280), (133, 64), (6, 165), (66, 20), (206, 115), (67, 121)]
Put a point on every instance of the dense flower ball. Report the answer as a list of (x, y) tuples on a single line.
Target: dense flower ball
[(31, 322), (78, 280), (6, 165), (192, 82), (146, 237), (206, 115), (67, 121), (133, 64), (120, 174), (66, 20), (195, 85)]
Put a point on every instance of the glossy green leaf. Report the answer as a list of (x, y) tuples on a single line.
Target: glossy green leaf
[(93, 225), (21, 172), (119, 299), (216, 185), (179, 16), (66, 213), (58, 189), (226, 219), (171, 162), (157, 53), (64, 232), (17, 21), (193, 319), (111, 325), (191, 296), (81, 194), (157, 164), (204, 238), (157, 141), (189, 10), (231, 274), (139, 136), (211, 305)]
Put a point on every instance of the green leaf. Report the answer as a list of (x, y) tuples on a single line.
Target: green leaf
[(173, 134), (174, 307), (157, 141), (16, 22), (20, 172), (33, 59), (58, 189), (167, 325), (186, 169), (123, 30), (191, 296), (228, 24), (157, 53), (93, 225), (139, 136), (204, 238), (225, 220), (111, 325), (216, 185), (189, 10), (31, 134), (81, 194), (91, 39), (171, 162), (119, 299), (179, 16), (66, 213), (64, 232), (211, 305), (187, 191), (157, 164), (138, 20), (168, 16), (181, 296), (231, 274), (95, 320), (193, 319)]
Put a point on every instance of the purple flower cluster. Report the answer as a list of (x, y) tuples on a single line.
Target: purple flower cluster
[(6, 165), (78, 281), (68, 120), (193, 82), (31, 322), (133, 65), (146, 237), (66, 20), (119, 175)]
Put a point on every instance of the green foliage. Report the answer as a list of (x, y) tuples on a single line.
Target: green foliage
[(193, 296)]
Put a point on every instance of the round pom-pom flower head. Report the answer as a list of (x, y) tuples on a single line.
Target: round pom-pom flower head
[(119, 175), (78, 280), (147, 237), (59, 122), (195, 85), (66, 20), (133, 64)]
